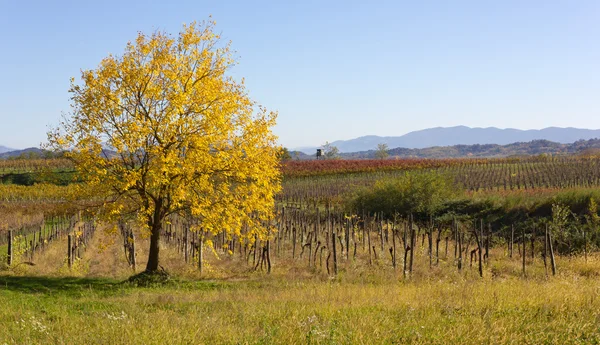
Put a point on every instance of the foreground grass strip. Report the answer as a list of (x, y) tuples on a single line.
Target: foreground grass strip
[(99, 311)]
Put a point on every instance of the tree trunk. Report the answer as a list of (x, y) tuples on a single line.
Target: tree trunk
[(153, 254), (268, 254)]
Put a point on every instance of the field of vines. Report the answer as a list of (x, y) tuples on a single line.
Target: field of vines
[(326, 179), (315, 224), (513, 226)]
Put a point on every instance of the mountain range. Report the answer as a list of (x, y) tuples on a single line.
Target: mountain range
[(531, 148), (462, 135), (440, 142), (32, 152)]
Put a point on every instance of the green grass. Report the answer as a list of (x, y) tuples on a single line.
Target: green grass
[(273, 310), (295, 304)]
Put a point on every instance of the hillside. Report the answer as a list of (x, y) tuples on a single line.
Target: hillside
[(5, 149), (462, 135), (31, 152), (535, 147)]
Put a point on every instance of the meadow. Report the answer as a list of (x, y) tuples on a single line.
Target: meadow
[(294, 304)]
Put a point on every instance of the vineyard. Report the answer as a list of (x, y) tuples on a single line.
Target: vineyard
[(317, 181), (525, 221), (315, 222)]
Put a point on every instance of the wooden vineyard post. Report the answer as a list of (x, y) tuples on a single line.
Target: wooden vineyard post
[(293, 242), (314, 260), (412, 245), (487, 244), (546, 251), (430, 241), (41, 235), (132, 252), (70, 251), (268, 254), (185, 243), (254, 247), (446, 249), (33, 242), (532, 245), (552, 262), (200, 245), (512, 239), (364, 229), (524, 246), (394, 244), (585, 244), (479, 239), (380, 222), (347, 238), (459, 239), (480, 245), (437, 245), (455, 232), (280, 228), (334, 253), (405, 245), (368, 242), (268, 249), (10, 247)]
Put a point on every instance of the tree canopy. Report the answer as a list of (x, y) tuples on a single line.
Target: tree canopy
[(382, 151), (330, 151), (163, 130)]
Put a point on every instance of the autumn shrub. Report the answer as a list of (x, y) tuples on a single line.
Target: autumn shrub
[(418, 193)]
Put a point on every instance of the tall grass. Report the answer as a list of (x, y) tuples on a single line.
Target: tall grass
[(364, 304)]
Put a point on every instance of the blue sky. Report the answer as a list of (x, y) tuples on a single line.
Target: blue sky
[(333, 69)]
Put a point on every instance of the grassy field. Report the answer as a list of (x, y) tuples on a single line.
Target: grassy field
[(232, 304), (38, 310)]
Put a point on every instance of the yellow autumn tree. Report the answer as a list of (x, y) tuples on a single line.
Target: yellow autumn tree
[(164, 130)]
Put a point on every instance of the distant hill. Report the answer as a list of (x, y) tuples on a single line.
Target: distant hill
[(532, 148), (4, 149), (462, 135), (32, 152)]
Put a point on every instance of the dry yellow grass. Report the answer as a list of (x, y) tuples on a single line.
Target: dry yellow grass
[(232, 304)]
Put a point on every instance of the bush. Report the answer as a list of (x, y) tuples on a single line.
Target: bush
[(419, 193)]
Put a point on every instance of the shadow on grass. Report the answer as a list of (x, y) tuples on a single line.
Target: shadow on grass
[(77, 286), (57, 284)]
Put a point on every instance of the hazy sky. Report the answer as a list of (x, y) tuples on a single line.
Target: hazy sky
[(333, 69)]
